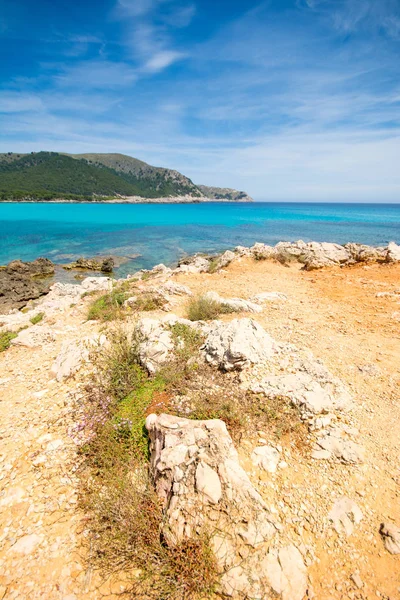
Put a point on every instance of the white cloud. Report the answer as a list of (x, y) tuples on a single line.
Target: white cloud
[(15, 102), (97, 74), (162, 60)]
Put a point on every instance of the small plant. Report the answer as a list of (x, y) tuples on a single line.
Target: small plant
[(5, 339), (214, 265), (206, 309), (107, 307), (37, 318), (149, 301)]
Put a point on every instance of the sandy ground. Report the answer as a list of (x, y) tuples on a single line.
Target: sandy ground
[(336, 314)]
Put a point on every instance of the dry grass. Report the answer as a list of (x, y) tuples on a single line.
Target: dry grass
[(124, 513), (202, 308)]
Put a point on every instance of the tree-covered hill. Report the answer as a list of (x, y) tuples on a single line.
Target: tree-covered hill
[(49, 175)]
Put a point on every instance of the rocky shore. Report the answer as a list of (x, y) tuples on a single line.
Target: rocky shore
[(294, 468)]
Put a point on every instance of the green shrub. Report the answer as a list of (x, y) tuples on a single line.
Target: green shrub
[(37, 318), (107, 307), (149, 301), (205, 309), (5, 339)]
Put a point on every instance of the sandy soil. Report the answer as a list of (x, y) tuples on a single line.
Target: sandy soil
[(337, 315)]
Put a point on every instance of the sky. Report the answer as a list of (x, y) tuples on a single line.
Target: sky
[(289, 100)]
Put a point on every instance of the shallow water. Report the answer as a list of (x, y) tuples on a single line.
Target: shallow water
[(165, 232)]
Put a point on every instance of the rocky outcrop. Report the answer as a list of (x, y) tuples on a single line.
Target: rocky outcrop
[(105, 265), (234, 304), (203, 488), (23, 281), (194, 264), (38, 335), (74, 354), (393, 253), (155, 344), (234, 345), (344, 515)]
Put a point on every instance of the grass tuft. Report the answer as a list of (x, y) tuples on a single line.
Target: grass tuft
[(202, 308), (5, 339), (108, 307), (37, 318)]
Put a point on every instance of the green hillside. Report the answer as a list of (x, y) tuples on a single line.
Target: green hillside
[(50, 175)]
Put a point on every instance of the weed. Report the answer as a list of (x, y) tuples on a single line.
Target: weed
[(202, 308), (149, 301), (214, 265), (107, 307), (5, 339), (37, 318)]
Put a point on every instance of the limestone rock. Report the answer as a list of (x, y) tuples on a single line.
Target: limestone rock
[(391, 537), (73, 354), (234, 345), (337, 444), (269, 297), (174, 289), (195, 264), (201, 485), (234, 304), (224, 260), (344, 514), (266, 457), (97, 284), (262, 251), (24, 281), (287, 573), (393, 252), (37, 335), (156, 344), (364, 253)]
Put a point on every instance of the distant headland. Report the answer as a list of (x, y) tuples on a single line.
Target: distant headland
[(59, 177)]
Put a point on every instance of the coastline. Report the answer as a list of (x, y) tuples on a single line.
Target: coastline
[(134, 200), (341, 318)]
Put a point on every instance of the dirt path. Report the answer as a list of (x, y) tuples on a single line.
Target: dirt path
[(338, 316)]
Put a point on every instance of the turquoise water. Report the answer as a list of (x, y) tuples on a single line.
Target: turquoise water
[(164, 233)]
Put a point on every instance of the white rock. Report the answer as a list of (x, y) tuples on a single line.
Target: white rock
[(156, 345), (234, 304), (236, 344), (35, 336), (344, 514), (336, 443), (27, 544), (208, 483), (393, 252), (287, 573), (391, 537), (74, 354), (97, 284), (266, 457), (269, 297)]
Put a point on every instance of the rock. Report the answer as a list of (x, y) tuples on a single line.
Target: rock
[(156, 345), (391, 537), (96, 284), (314, 255), (172, 288), (32, 337), (201, 486), (313, 391), (363, 253), (344, 514), (356, 579), (234, 345), (194, 264), (287, 573), (27, 544), (266, 457), (23, 281), (223, 261), (73, 354), (234, 304), (269, 297), (393, 253), (342, 448), (262, 251), (105, 265)]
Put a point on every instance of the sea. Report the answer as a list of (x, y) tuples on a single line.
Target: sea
[(144, 235)]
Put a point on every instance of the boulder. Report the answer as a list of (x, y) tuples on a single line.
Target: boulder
[(202, 487), (393, 253), (287, 573), (262, 251), (155, 344), (172, 288), (194, 264), (96, 284), (24, 281), (235, 345), (391, 537), (344, 515), (35, 336), (337, 444), (312, 388), (364, 253), (223, 260), (105, 265), (266, 457), (234, 304), (73, 355)]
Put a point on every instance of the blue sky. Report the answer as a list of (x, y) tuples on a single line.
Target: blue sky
[(286, 99)]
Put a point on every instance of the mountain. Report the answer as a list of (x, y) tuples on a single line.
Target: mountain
[(224, 194), (93, 177)]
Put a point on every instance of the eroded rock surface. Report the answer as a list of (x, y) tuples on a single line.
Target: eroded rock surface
[(232, 346), (234, 304), (391, 537), (202, 487)]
